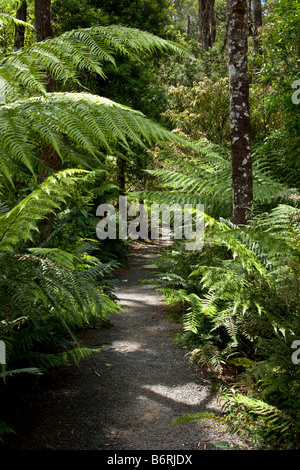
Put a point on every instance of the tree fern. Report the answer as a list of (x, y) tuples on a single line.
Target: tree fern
[(205, 178), (4, 430), (247, 285), (53, 292), (19, 223), (97, 126), (78, 50), (6, 18), (194, 312)]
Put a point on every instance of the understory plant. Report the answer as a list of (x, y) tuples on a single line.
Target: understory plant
[(48, 292), (237, 298), (240, 303)]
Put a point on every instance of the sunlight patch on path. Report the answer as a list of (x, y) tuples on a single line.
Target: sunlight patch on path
[(180, 394)]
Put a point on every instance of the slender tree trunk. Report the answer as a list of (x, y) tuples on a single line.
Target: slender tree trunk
[(44, 31), (249, 16), (203, 18), (240, 127), (121, 170), (207, 23), (213, 27), (188, 26), (43, 26), (43, 13), (257, 23), (49, 157), (20, 29)]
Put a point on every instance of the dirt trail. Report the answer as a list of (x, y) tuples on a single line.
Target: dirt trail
[(125, 397)]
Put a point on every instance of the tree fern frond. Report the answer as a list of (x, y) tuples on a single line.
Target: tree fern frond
[(92, 123), (208, 175), (6, 18), (85, 49), (191, 417), (19, 223), (192, 317), (4, 430)]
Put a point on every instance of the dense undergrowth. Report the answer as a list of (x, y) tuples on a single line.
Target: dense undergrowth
[(238, 303)]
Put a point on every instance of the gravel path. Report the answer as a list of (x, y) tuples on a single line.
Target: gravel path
[(125, 397)]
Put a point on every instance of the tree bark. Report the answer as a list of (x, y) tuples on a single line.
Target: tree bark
[(43, 26), (257, 23), (213, 27), (188, 26), (44, 31), (20, 29), (43, 13), (207, 24), (240, 127), (49, 157), (121, 179)]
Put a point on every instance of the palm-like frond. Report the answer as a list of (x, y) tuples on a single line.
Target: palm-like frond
[(78, 50), (96, 125), (44, 304), (206, 178), (6, 18), (47, 293), (18, 224)]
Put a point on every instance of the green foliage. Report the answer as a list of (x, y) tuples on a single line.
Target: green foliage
[(259, 422), (193, 417), (75, 51), (203, 175), (201, 110), (71, 124), (279, 69), (50, 288), (47, 293), (149, 15), (4, 430), (237, 298), (240, 298)]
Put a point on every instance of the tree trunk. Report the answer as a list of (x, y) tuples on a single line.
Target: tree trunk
[(121, 179), (43, 26), (213, 27), (203, 18), (188, 26), (44, 31), (207, 23), (43, 19), (49, 157), (20, 29), (240, 128), (257, 23)]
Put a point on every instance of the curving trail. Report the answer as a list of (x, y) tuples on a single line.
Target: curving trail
[(125, 397)]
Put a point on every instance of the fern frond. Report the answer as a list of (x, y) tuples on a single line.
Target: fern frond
[(97, 126), (206, 176), (6, 18), (19, 223), (191, 417), (5, 429), (85, 49)]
